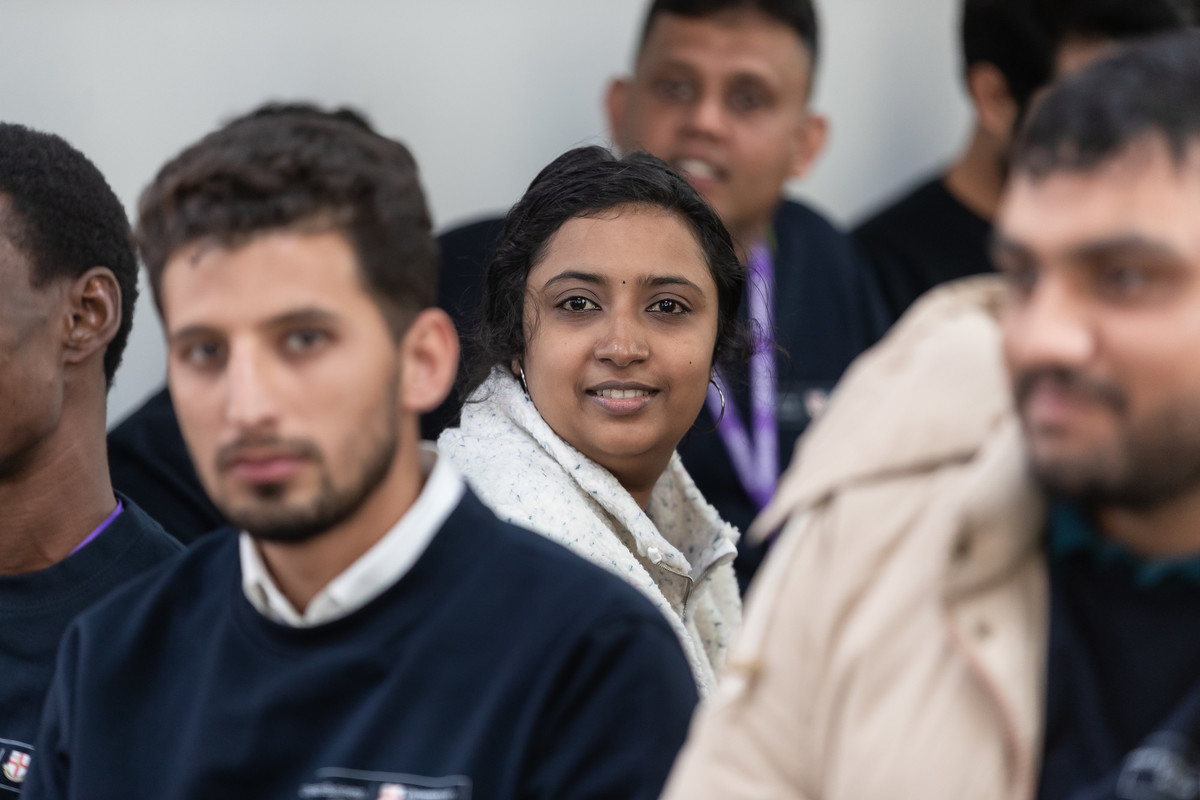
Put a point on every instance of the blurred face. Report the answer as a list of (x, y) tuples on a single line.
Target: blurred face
[(723, 100), (1103, 326), (31, 390), (284, 375), (621, 322)]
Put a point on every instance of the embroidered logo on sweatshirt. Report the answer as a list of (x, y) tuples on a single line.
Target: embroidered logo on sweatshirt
[(17, 757), (333, 783)]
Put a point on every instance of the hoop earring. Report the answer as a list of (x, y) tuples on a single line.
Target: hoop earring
[(720, 394), (525, 387)]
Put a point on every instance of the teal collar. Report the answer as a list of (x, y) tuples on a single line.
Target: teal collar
[(1072, 534)]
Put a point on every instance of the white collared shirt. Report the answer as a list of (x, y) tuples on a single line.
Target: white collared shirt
[(375, 570)]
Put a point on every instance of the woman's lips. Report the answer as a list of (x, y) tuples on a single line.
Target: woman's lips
[(622, 399)]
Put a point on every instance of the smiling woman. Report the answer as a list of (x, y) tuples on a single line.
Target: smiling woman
[(612, 293)]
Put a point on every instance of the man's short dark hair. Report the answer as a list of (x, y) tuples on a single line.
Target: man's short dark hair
[(799, 15), (1021, 37), (1014, 36), (66, 219), (278, 108), (1146, 90), (1117, 20), (295, 166)]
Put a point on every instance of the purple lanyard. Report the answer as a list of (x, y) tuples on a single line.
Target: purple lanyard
[(755, 460), (99, 530)]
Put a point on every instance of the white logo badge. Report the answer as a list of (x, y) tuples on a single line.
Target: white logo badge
[(17, 766)]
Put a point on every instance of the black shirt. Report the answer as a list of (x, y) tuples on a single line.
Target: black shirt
[(923, 239), (1123, 672)]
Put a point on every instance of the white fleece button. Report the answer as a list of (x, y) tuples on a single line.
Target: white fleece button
[(654, 554)]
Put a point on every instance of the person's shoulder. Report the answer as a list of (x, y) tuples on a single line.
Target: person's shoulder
[(829, 274), (148, 461), (805, 234), (152, 538), (468, 246), (547, 576), (794, 217), (465, 252), (897, 216), (184, 577), (156, 411), (148, 440)]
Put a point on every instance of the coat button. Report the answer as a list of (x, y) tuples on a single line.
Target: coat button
[(962, 549)]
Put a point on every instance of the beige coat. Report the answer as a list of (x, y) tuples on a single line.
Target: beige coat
[(894, 644)]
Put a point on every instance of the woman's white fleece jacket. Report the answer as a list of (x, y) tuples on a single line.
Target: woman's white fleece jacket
[(678, 552)]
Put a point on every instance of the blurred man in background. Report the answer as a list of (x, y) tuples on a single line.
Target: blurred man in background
[(1010, 50)]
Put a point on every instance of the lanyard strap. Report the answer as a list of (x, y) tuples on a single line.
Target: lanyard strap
[(754, 454)]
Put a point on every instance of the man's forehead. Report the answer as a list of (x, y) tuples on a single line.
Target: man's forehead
[(1143, 185), (265, 277), (731, 34)]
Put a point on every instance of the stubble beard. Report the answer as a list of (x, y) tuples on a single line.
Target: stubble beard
[(271, 518), (1150, 463)]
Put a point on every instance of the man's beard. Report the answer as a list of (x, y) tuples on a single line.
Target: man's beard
[(273, 519), (1151, 461)]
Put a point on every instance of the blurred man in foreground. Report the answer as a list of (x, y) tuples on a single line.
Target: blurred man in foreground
[(987, 587)]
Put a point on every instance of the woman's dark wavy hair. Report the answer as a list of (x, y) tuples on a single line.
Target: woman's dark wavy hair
[(587, 182)]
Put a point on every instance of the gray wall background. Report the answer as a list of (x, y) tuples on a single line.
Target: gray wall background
[(485, 92)]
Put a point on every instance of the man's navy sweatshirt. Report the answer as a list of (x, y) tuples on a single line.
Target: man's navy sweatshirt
[(35, 610), (499, 666)]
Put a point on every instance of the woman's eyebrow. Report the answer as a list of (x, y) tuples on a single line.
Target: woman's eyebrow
[(669, 280), (653, 281), (575, 276)]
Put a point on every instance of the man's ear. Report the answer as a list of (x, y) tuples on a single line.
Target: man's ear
[(94, 314), (995, 107), (616, 100), (429, 361), (811, 136)]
